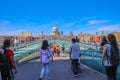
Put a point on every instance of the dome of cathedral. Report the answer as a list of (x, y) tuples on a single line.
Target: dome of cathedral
[(54, 27)]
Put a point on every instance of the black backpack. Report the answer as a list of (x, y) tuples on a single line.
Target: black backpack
[(114, 56), (4, 66)]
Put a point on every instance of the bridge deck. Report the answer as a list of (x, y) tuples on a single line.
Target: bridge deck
[(60, 70)]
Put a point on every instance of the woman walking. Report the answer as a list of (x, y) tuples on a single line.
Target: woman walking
[(110, 57), (45, 55)]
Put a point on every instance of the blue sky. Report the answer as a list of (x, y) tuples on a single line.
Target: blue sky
[(69, 15)]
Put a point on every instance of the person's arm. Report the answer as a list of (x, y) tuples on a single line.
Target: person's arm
[(13, 64), (40, 56), (104, 52), (79, 48), (70, 49)]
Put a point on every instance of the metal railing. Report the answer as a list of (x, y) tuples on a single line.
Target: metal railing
[(92, 58), (90, 54)]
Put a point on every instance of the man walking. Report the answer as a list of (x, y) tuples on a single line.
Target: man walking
[(74, 57)]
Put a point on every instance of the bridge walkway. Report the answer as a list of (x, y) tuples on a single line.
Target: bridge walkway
[(60, 70)]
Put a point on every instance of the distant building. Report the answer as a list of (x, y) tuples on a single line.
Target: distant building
[(55, 30), (117, 35), (26, 34), (96, 38), (71, 34), (84, 37)]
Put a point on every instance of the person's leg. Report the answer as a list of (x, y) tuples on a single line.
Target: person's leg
[(47, 68), (74, 67), (114, 72), (5, 74), (3, 77), (58, 53), (52, 58), (108, 72), (43, 70), (77, 66), (11, 75), (63, 53)]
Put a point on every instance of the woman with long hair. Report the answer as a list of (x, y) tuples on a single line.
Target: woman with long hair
[(111, 69), (45, 55), (103, 42), (6, 70)]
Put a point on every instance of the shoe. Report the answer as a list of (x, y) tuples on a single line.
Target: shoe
[(76, 75), (39, 79)]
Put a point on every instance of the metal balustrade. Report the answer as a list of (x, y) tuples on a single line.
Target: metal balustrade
[(30, 47), (92, 58)]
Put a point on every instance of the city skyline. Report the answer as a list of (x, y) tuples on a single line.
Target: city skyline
[(88, 16)]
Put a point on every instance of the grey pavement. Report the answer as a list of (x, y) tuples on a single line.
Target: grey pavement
[(60, 70)]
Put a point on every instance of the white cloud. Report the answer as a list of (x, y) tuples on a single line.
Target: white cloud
[(4, 22), (92, 22), (115, 27), (68, 24), (45, 25), (12, 33)]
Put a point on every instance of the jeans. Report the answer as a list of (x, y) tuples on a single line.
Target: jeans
[(75, 66), (63, 52), (45, 69), (111, 72)]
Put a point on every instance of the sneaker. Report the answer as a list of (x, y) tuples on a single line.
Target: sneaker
[(39, 79), (76, 75)]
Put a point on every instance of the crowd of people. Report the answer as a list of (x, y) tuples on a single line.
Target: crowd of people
[(58, 50), (110, 57)]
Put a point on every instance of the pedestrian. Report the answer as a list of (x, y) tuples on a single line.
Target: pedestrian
[(7, 61), (74, 51), (77, 42), (45, 55), (58, 50), (63, 50), (77, 39), (52, 50), (110, 57)]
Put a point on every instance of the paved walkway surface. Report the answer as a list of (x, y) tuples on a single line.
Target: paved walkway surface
[(60, 70)]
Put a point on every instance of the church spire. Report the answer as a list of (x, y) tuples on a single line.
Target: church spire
[(54, 25)]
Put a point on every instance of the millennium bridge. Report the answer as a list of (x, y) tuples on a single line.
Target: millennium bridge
[(29, 66)]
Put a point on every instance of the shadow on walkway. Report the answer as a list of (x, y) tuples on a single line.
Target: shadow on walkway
[(60, 70)]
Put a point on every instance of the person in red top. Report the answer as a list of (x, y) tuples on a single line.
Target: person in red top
[(8, 75), (54, 50)]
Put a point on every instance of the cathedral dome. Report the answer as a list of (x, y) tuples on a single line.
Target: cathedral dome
[(54, 27), (55, 30)]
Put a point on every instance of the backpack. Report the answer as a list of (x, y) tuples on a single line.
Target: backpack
[(114, 56), (4, 66)]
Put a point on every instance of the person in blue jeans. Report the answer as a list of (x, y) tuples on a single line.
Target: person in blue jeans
[(45, 55)]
